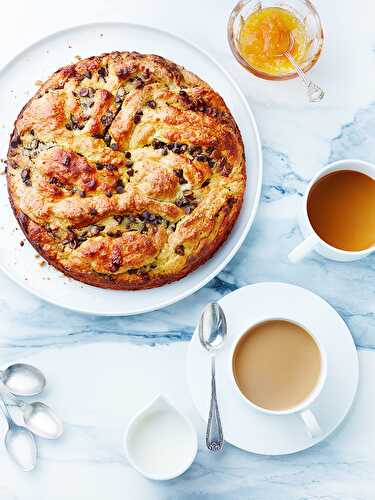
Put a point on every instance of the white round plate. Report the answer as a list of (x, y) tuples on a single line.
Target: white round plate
[(17, 85), (246, 427)]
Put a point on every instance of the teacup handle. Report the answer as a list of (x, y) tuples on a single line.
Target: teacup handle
[(311, 423), (304, 248)]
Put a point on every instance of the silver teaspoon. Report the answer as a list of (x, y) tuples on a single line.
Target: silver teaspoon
[(23, 380), (314, 92), (19, 442), (38, 417), (212, 333)]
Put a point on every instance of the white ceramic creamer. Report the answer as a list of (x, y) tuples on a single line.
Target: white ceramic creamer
[(160, 442)]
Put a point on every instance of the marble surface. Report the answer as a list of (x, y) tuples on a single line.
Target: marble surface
[(101, 370)]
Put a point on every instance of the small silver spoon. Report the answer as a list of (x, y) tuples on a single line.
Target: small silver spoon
[(212, 333), (38, 417), (19, 442), (314, 92), (23, 380)]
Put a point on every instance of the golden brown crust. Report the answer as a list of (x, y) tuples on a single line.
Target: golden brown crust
[(126, 171)]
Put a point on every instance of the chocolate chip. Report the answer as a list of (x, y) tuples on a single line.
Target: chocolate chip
[(15, 141), (179, 172), (129, 164), (130, 172), (25, 175), (180, 202), (119, 182), (114, 234), (151, 104), (84, 92), (119, 189), (128, 154), (136, 119), (116, 263), (180, 250), (157, 144), (123, 72), (146, 215), (96, 229), (66, 160), (107, 118), (99, 166), (93, 212), (114, 146), (201, 158), (108, 194), (139, 83), (141, 273), (34, 144), (102, 73), (91, 184)]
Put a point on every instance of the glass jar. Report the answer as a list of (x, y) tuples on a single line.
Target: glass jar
[(305, 13)]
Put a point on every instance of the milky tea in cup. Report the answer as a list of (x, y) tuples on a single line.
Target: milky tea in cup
[(276, 365)]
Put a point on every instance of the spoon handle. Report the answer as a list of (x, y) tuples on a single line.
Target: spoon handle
[(314, 92), (214, 434), (6, 413)]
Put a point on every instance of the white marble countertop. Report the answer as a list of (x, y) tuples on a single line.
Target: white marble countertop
[(101, 370)]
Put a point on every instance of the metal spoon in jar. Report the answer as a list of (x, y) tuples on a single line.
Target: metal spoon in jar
[(38, 417), (314, 92), (19, 442), (212, 332), (23, 380)]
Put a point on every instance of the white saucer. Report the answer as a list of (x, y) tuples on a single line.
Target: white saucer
[(247, 428)]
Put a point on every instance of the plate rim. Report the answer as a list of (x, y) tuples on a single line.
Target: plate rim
[(324, 436), (223, 263)]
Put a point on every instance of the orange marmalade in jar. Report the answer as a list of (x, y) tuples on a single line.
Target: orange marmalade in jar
[(266, 34)]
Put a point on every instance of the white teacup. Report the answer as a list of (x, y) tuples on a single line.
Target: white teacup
[(312, 241), (303, 409)]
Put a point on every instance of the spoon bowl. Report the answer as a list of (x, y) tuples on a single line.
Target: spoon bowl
[(42, 420), (19, 442), (23, 379), (21, 447), (212, 327)]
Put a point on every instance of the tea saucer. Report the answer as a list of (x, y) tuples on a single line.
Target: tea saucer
[(246, 427)]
